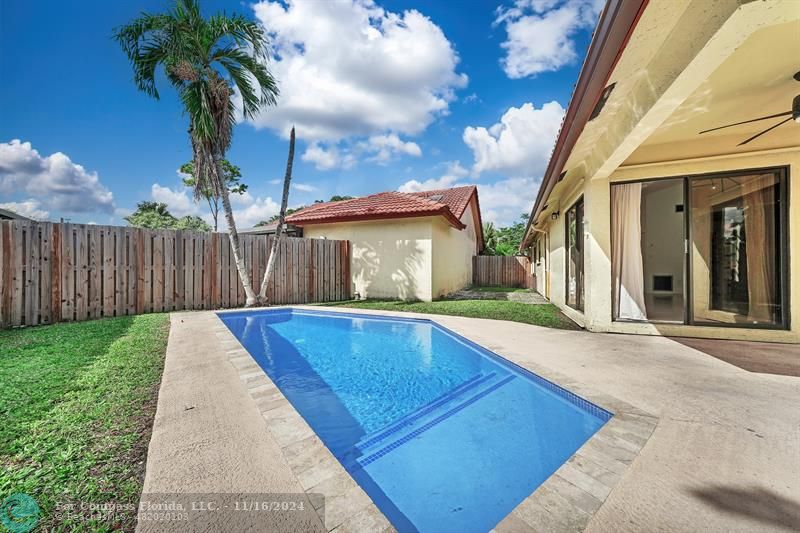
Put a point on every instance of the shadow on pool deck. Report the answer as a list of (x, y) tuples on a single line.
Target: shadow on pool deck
[(760, 357), (757, 503)]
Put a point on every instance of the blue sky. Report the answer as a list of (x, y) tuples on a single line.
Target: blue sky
[(391, 95)]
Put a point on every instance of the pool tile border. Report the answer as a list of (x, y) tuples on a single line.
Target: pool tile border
[(565, 502)]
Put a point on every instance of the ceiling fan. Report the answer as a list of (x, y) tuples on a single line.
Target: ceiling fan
[(793, 113)]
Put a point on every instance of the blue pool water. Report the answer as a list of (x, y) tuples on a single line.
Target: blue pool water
[(441, 433)]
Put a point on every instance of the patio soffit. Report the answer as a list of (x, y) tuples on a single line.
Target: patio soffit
[(692, 65)]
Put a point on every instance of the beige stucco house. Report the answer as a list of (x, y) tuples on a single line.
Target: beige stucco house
[(409, 246), (669, 203)]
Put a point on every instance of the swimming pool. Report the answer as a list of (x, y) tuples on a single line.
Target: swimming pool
[(443, 434)]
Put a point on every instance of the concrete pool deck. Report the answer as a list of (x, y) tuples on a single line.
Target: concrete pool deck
[(724, 455)]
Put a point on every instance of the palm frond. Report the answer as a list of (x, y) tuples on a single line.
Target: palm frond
[(243, 32), (244, 68), (143, 41), (198, 107)]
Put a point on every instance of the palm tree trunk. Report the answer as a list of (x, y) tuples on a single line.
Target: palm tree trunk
[(250, 296), (262, 293), (213, 205)]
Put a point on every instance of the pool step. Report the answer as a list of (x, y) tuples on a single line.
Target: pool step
[(381, 435), (399, 433)]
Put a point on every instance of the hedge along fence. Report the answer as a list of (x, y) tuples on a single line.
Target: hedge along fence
[(71, 272), (502, 271)]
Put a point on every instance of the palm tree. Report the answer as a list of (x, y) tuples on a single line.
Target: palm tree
[(205, 60), (489, 238), (262, 293)]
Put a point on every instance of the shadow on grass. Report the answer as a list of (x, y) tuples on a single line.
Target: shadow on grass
[(40, 365), (84, 438)]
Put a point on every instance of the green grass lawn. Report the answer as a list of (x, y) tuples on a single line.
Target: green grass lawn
[(77, 403), (498, 289), (546, 315)]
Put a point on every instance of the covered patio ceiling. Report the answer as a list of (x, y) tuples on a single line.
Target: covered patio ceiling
[(756, 80)]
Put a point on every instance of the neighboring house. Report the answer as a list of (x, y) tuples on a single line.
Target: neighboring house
[(6, 214), (666, 207), (411, 246), (270, 229)]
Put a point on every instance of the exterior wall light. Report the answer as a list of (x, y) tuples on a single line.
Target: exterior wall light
[(554, 215)]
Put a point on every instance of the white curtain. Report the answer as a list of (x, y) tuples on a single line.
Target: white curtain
[(759, 224), (627, 267)]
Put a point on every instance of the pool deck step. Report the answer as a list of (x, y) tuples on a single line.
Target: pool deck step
[(433, 417)]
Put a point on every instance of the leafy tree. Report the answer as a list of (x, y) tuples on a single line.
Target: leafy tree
[(192, 222), (504, 241), (231, 174), (205, 60), (154, 215)]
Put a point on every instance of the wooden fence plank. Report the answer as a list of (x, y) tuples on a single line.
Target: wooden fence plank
[(31, 274), (199, 242), (93, 269), (169, 271), (108, 274), (81, 260), (67, 272), (45, 281), (504, 271)]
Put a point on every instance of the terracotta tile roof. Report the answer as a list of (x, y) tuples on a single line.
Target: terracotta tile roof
[(449, 203), (457, 198)]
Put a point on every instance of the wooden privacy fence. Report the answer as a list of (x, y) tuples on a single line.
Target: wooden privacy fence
[(502, 271), (65, 272)]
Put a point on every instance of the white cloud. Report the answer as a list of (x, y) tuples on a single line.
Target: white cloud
[(541, 34), (443, 182), (328, 158), (244, 199), (55, 179), (454, 172), (351, 68), (520, 144), (504, 201), (30, 208), (179, 200), (380, 149), (386, 147), (259, 209), (303, 187)]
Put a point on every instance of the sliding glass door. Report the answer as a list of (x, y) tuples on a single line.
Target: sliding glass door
[(736, 247), (574, 246), (708, 250)]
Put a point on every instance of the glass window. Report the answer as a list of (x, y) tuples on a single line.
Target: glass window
[(574, 229)]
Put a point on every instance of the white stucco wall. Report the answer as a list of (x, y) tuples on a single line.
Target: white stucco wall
[(389, 258), (597, 237), (406, 258), (453, 250)]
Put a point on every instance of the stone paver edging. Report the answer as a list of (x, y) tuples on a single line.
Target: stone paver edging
[(566, 501), (341, 503)]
